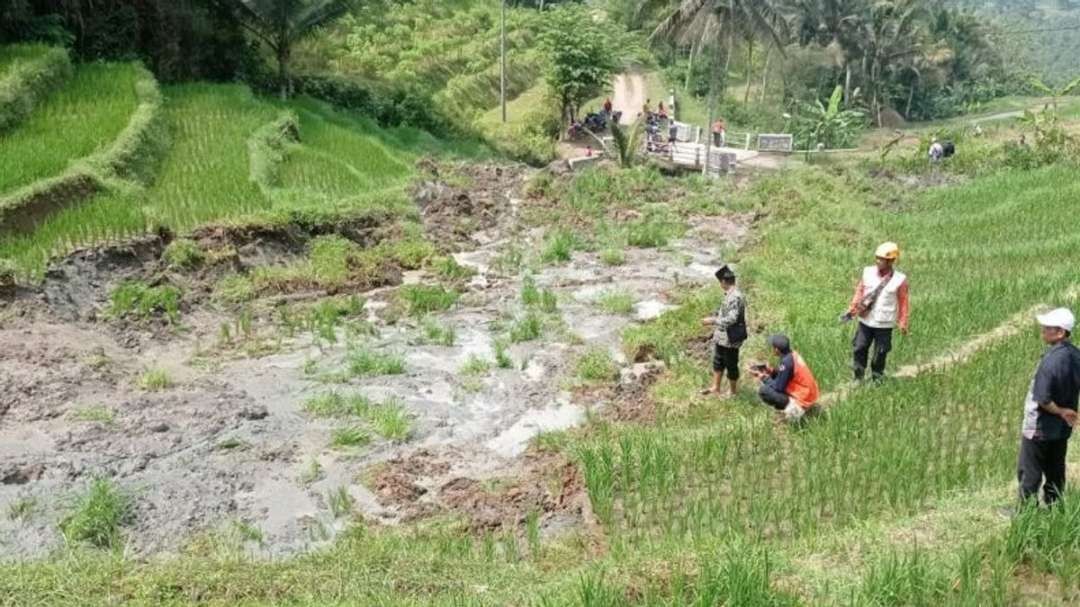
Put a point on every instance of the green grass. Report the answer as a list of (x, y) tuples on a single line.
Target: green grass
[(139, 301), (616, 302), (438, 334), (349, 437), (390, 420), (98, 516), (155, 380), (183, 254), (528, 327), (596, 365), (12, 53), (333, 404), (93, 413), (425, 299), (364, 363), (475, 365), (83, 116)]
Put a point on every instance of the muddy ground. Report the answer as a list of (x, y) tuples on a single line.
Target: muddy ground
[(230, 441)]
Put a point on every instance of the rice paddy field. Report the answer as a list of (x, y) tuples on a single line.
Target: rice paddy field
[(205, 175), (10, 54), (80, 118)]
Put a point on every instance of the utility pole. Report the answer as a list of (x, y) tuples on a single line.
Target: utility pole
[(502, 61)]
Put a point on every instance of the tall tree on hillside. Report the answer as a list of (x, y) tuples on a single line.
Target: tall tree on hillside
[(279, 24), (890, 39), (582, 52), (833, 25)]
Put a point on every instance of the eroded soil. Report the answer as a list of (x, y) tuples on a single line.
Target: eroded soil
[(231, 440)]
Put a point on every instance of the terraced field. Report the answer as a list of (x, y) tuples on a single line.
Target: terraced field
[(80, 118)]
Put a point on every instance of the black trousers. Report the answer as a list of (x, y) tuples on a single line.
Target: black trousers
[(1039, 458), (882, 342), (773, 397), (726, 359)]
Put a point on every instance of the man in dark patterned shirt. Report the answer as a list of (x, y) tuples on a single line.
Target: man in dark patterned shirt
[(729, 333)]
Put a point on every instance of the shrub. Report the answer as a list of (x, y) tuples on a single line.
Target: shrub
[(98, 516)]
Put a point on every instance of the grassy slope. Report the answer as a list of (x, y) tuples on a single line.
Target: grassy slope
[(86, 114)]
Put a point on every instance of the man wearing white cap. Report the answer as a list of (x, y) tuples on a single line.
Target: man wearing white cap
[(880, 303), (1050, 410)]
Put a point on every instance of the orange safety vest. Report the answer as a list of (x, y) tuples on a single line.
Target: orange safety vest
[(803, 387)]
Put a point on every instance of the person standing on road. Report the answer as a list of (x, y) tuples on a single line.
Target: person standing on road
[(880, 303), (1050, 410), (790, 388), (607, 107), (729, 333), (718, 131)]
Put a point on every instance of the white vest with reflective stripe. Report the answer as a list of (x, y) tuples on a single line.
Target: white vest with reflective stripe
[(884, 312)]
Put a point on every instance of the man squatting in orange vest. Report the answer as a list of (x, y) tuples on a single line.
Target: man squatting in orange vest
[(880, 303), (790, 388)]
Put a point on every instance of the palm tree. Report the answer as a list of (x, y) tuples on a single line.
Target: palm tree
[(279, 24), (890, 39), (716, 24), (831, 24)]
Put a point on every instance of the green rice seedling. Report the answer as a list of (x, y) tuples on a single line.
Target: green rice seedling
[(905, 580), (233, 444), (559, 246), (425, 299), (612, 256), (447, 268), (363, 363), (474, 365), (510, 259), (236, 288), (1049, 541), (98, 515), (526, 328), (333, 404), (341, 502), (93, 413), (247, 532), (530, 294), (390, 420), (438, 334), (532, 532), (349, 436), (137, 300), (311, 473), (596, 364), (502, 355), (155, 380), (21, 508), (183, 254), (616, 302)]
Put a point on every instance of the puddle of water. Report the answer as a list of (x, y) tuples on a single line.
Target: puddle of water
[(513, 441)]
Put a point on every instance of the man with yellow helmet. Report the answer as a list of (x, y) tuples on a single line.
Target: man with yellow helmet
[(880, 303)]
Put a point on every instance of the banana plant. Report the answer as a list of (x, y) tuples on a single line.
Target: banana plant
[(626, 143), (1053, 93)]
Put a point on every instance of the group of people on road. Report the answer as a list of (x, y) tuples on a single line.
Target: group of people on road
[(881, 304)]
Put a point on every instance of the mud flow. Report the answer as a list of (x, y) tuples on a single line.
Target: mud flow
[(231, 440)]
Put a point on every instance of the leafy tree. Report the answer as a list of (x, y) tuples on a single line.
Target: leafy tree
[(582, 53), (279, 24), (829, 125)]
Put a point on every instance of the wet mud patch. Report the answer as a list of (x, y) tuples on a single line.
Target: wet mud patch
[(461, 203)]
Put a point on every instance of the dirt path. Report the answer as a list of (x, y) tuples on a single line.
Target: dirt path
[(630, 96)]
